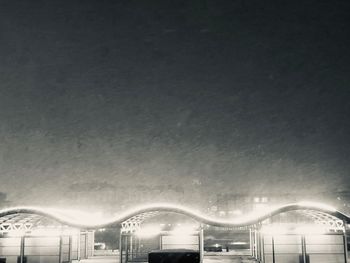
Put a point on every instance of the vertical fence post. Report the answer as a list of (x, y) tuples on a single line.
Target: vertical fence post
[(262, 249), (126, 248), (345, 238), (255, 244), (201, 243), (131, 246), (70, 248), (87, 244), (60, 250), (78, 244), (22, 249), (273, 249), (120, 246), (303, 248)]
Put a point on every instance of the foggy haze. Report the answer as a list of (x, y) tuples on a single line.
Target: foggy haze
[(228, 96)]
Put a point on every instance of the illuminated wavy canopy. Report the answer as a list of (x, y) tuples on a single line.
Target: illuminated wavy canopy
[(84, 220)]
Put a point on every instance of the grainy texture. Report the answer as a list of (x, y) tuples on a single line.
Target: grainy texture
[(229, 96)]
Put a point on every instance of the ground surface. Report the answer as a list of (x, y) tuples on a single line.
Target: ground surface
[(207, 259)]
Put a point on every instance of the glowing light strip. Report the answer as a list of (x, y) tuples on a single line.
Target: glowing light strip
[(84, 220)]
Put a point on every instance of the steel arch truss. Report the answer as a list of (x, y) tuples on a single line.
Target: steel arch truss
[(332, 223), (133, 224), (132, 218), (22, 222)]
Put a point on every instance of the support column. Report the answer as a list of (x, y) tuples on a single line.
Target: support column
[(87, 245), (160, 242), (138, 246), (131, 247), (60, 250), (120, 246), (78, 240), (70, 248), (201, 243), (255, 244), (262, 248), (345, 248), (345, 241), (126, 248), (303, 248), (273, 250), (22, 249), (250, 242)]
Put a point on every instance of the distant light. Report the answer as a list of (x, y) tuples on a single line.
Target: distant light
[(222, 213), (264, 199), (237, 212), (101, 245), (260, 206), (239, 243)]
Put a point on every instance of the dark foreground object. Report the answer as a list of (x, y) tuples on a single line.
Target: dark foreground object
[(173, 256)]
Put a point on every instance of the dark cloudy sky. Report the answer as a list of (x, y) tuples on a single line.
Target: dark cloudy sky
[(238, 94)]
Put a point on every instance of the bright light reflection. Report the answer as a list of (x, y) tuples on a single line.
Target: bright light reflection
[(300, 229), (274, 230), (311, 229), (317, 205), (16, 233), (184, 230), (54, 232), (148, 231), (239, 243), (88, 219), (82, 219)]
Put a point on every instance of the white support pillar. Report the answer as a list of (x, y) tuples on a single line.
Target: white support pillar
[(262, 248), (303, 248), (345, 241), (120, 246), (255, 244), (70, 253), (78, 240), (22, 249), (250, 241), (60, 250), (201, 243), (131, 247)]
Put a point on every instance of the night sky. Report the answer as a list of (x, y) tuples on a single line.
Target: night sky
[(238, 95)]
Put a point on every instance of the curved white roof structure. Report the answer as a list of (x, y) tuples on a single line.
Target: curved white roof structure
[(84, 220)]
